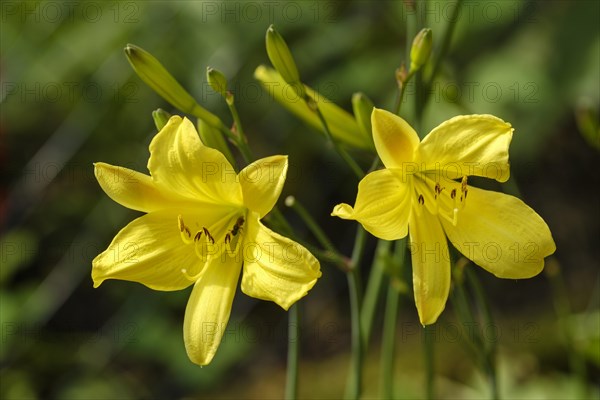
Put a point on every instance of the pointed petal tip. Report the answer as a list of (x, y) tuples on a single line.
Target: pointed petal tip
[(342, 210)]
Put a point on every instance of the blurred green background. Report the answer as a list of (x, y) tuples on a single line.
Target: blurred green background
[(69, 98)]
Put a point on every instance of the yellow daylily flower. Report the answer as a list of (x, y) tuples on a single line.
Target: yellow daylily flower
[(202, 223), (423, 190)]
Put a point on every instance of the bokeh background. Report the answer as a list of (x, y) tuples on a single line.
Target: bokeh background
[(69, 98)]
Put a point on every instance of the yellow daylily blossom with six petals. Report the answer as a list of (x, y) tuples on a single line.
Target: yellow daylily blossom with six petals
[(201, 224), (423, 191)]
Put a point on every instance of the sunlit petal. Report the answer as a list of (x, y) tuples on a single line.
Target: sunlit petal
[(275, 267), (431, 266), (133, 189), (149, 250), (208, 308), (467, 145), (383, 204), (180, 163), (262, 182), (501, 234), (395, 140)]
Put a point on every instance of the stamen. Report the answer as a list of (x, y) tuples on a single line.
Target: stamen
[(197, 236), (208, 235), (186, 234), (421, 199)]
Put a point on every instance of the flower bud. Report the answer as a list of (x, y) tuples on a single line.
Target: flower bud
[(161, 117), (213, 138), (362, 107), (421, 48), (282, 60), (152, 72), (217, 81)]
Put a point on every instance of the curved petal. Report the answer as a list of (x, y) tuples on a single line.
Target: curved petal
[(208, 308), (275, 267), (501, 234), (395, 140), (467, 145), (149, 250), (262, 182), (383, 204), (431, 266), (180, 163), (130, 188)]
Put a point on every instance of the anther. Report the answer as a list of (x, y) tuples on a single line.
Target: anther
[(208, 235), (453, 194), (186, 234), (421, 199), (463, 184), (180, 223), (197, 236)]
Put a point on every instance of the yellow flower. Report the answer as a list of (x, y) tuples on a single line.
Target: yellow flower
[(202, 223), (424, 190)]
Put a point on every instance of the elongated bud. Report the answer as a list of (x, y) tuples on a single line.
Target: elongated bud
[(281, 58), (421, 48), (155, 75), (217, 81), (212, 137), (161, 117), (362, 107)]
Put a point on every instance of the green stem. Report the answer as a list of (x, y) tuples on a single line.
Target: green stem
[(373, 289), (402, 90), (330, 254), (488, 346), (354, 383), (445, 46), (340, 150), (429, 347), (388, 340), (311, 223), (291, 383)]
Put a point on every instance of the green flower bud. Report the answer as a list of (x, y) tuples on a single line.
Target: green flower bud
[(282, 60), (421, 48), (212, 137), (152, 72), (362, 107), (217, 81), (161, 117)]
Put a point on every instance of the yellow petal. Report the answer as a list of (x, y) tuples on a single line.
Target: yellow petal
[(262, 182), (180, 163), (275, 267), (395, 140), (130, 188), (501, 234), (431, 265), (467, 145), (208, 308), (149, 250), (383, 204)]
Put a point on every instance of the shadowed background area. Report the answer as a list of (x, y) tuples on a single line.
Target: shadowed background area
[(69, 98)]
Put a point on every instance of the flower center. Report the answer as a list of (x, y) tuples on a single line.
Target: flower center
[(446, 201), (212, 241)]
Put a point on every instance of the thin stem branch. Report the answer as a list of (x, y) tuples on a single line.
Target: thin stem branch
[(339, 149), (429, 339), (291, 383), (354, 383), (389, 341), (374, 285)]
